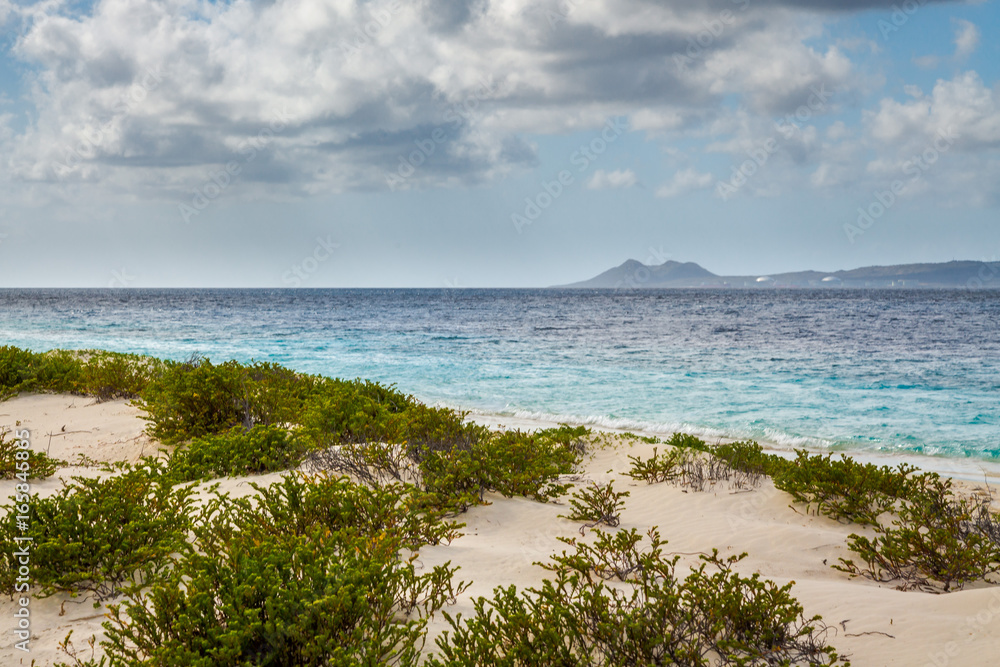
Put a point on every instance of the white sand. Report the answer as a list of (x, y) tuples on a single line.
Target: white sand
[(502, 541)]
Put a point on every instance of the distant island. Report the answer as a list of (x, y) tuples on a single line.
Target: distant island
[(956, 274)]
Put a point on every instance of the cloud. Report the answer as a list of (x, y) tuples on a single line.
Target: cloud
[(155, 97), (943, 143), (966, 38), (163, 98), (685, 181), (608, 180)]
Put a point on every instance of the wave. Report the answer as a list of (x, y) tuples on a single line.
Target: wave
[(775, 438)]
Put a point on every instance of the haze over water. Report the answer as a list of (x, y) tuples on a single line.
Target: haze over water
[(895, 371)]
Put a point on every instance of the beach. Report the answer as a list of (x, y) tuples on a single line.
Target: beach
[(872, 624)]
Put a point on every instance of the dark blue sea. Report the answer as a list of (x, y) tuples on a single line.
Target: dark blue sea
[(891, 371)]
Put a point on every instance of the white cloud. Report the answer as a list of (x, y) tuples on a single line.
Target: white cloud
[(684, 181), (966, 38), (607, 180), (963, 106), (358, 88)]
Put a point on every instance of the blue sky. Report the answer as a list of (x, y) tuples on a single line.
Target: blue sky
[(341, 143)]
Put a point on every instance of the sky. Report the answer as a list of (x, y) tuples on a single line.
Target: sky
[(490, 143)]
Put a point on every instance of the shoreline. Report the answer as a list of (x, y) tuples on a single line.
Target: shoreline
[(967, 470)]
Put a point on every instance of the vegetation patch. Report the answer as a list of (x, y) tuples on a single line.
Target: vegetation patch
[(237, 452), (712, 616), (844, 489), (936, 542), (24, 463), (455, 472), (100, 536), (597, 504)]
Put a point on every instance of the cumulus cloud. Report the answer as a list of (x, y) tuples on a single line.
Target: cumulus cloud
[(966, 38), (608, 180), (161, 96), (684, 181)]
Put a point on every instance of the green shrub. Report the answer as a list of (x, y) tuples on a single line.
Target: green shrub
[(110, 375), (597, 504), (310, 571), (687, 441), (17, 462), (529, 464), (17, 370), (317, 599), (660, 467), (711, 617), (455, 473), (453, 480), (105, 375), (194, 399), (937, 542), (341, 412), (100, 535), (197, 398), (350, 412), (299, 503), (844, 489), (59, 370), (236, 452), (749, 457)]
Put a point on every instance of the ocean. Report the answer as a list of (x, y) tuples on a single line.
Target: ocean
[(891, 372)]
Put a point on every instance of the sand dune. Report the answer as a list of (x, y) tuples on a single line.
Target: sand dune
[(875, 625)]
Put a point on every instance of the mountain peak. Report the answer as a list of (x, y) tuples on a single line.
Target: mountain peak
[(633, 274)]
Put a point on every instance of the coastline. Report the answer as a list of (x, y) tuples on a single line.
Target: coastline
[(967, 470), (502, 542)]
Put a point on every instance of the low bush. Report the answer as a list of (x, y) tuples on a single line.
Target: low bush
[(281, 599), (194, 399), (24, 463), (110, 375), (713, 616), (300, 503), (597, 504), (844, 489), (937, 542), (687, 441), (310, 571), (694, 468), (660, 467), (99, 536), (18, 370), (60, 370), (455, 474), (236, 452), (749, 457), (530, 464)]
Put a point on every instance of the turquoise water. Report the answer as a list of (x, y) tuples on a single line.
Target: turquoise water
[(884, 371)]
